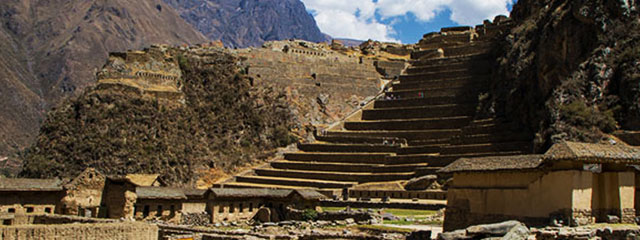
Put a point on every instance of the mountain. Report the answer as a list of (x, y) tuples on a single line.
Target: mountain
[(169, 111), (247, 23), (569, 70), (53, 48)]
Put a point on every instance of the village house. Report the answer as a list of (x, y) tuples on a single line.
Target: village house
[(572, 183), (83, 195), (228, 204), (22, 197), (161, 203)]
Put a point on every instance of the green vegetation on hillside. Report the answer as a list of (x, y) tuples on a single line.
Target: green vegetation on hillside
[(223, 123)]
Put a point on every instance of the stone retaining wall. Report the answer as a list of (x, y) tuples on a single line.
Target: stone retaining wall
[(101, 231)]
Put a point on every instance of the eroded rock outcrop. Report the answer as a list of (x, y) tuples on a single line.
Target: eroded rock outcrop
[(569, 69)]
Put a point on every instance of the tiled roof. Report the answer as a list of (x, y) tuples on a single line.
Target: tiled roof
[(28, 184), (497, 163), (250, 192), (593, 153), (159, 193)]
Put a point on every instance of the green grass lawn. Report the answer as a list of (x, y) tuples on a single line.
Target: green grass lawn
[(379, 228), (418, 216)]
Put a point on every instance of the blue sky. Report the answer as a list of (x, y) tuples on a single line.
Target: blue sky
[(400, 20)]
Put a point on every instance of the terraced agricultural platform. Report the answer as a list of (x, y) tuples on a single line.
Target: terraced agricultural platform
[(424, 122)]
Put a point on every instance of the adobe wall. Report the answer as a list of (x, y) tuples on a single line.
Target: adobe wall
[(165, 210), (477, 198), (102, 231), (30, 202)]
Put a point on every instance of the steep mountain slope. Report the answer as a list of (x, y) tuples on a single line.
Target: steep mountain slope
[(52, 48), (214, 119), (245, 23), (570, 69)]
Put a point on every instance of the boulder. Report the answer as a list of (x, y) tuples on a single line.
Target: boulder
[(420, 183), (497, 229), (519, 232), (455, 235)]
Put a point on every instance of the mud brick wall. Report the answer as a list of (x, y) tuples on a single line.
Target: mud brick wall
[(105, 231)]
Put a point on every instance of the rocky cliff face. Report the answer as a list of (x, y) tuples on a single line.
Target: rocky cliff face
[(249, 23), (133, 122), (570, 69), (52, 49)]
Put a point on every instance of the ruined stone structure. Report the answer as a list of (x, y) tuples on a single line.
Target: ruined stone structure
[(573, 183), (424, 121), (324, 85), (154, 71)]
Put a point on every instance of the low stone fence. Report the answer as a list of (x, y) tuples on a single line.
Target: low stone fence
[(63, 219), (98, 231), (399, 194), (375, 205)]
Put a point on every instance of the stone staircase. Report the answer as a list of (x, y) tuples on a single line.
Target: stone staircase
[(425, 122)]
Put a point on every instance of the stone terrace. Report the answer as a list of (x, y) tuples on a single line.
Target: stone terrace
[(423, 123)]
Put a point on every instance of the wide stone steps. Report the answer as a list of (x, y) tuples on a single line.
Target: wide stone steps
[(486, 147), (337, 147), (409, 135), (424, 149), (472, 89), (410, 124), (442, 160), (433, 111), (441, 84), (456, 51), (362, 139), (450, 60), (490, 138), (410, 78), (335, 176), (467, 65), (345, 167), (298, 182), (426, 101), (368, 158)]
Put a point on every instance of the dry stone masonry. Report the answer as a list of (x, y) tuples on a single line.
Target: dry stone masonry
[(424, 120)]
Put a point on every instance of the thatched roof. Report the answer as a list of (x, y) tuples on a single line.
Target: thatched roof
[(565, 151), (194, 193), (593, 153), (249, 193), (159, 193), (310, 194), (144, 180), (28, 184), (497, 163)]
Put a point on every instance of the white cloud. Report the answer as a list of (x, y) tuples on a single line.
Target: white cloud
[(357, 18)]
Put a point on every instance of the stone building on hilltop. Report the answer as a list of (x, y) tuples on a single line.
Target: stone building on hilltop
[(572, 183)]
